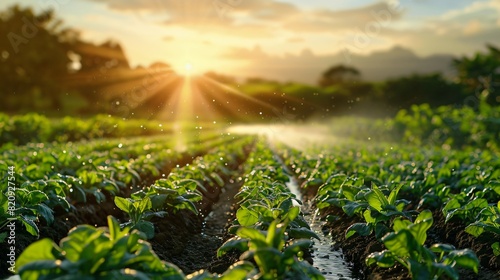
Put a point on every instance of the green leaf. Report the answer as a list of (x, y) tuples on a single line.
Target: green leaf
[(349, 192), (439, 248), (38, 251), (238, 271), (123, 203), (3, 235), (401, 243), (297, 245), (362, 229), (475, 229), (302, 233), (144, 204), (368, 216), (352, 208), (37, 197), (381, 230), (376, 199), (237, 243), (393, 195), (421, 225), (246, 217), (29, 225), (146, 227), (128, 273), (383, 259), (496, 248), (251, 234), (115, 231), (267, 259), (419, 271), (293, 213), (400, 224), (46, 213), (465, 258)]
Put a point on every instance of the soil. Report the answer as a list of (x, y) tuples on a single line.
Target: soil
[(191, 243)]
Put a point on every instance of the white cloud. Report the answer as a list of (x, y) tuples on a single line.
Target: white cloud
[(472, 27)]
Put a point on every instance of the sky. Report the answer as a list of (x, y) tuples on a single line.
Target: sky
[(227, 36)]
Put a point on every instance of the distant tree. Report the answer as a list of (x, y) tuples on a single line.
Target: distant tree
[(34, 60), (99, 65), (481, 72), (418, 89), (339, 74)]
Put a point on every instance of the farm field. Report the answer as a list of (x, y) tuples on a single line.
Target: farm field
[(238, 139), (252, 202)]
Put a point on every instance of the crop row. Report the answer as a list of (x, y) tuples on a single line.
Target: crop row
[(394, 190), (23, 129), (268, 229), (120, 251), (44, 178)]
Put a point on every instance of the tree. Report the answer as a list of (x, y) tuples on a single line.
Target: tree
[(34, 59), (418, 89), (481, 74), (339, 74)]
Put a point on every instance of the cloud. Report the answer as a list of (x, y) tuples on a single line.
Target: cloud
[(295, 40), (258, 17), (470, 20), (472, 27), (325, 20)]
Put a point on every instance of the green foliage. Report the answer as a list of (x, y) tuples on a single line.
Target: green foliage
[(464, 207), (406, 246), (275, 258), (480, 74), (95, 253), (136, 209), (487, 220), (432, 89), (26, 81), (32, 127)]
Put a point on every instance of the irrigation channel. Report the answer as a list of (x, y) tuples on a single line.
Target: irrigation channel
[(327, 259)]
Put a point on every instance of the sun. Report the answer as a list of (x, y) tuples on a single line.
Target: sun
[(188, 69)]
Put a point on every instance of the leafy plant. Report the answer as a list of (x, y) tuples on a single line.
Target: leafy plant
[(275, 259), (380, 210), (171, 196), (488, 220), (93, 253), (138, 212), (406, 246), (464, 207)]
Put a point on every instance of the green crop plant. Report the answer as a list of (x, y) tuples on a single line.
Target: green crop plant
[(406, 246), (171, 196), (465, 207), (138, 212), (488, 220), (95, 253), (274, 256), (381, 209)]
